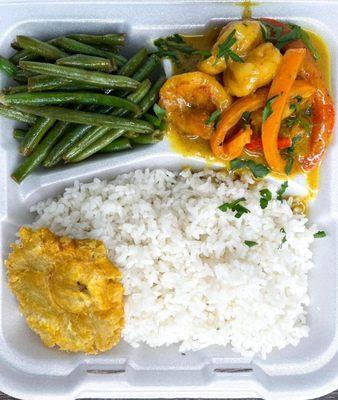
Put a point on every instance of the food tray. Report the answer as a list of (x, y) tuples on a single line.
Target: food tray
[(28, 370)]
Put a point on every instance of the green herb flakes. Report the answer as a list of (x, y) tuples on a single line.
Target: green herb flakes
[(258, 170), (266, 196), (214, 117), (319, 234), (268, 109), (250, 243), (235, 206), (282, 190), (224, 49)]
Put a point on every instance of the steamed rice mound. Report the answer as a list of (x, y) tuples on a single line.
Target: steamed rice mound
[(189, 277)]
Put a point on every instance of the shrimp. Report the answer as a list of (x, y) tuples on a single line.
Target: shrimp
[(190, 99), (248, 35), (258, 70)]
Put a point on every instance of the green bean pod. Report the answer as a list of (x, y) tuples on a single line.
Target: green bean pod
[(19, 134), (147, 68), (119, 144), (40, 153), (35, 134), (100, 79), (150, 138), (88, 118), (52, 98), (8, 67), (42, 83), (152, 96), (135, 97), (12, 113), (14, 89), (111, 39), (22, 76), (100, 142), (73, 136), (23, 55), (92, 63), (133, 63), (75, 47), (40, 48)]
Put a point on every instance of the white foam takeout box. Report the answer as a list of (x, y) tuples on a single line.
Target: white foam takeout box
[(28, 370)]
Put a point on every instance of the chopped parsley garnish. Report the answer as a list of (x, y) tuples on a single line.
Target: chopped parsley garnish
[(319, 234), (282, 230), (282, 190), (214, 117), (268, 109), (224, 49), (266, 196), (234, 206), (250, 243), (274, 34), (246, 116), (173, 46), (258, 170), (300, 116), (290, 155)]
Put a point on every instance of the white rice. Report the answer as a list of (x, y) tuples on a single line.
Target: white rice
[(188, 276)]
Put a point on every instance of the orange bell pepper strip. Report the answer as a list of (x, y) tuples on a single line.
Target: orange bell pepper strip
[(232, 116), (256, 145), (253, 102), (322, 107), (280, 90), (234, 147)]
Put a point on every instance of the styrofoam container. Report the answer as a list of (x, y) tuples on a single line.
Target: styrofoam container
[(31, 371)]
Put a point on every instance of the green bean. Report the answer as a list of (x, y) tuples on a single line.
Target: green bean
[(41, 83), (12, 113), (8, 67), (22, 76), (47, 98), (40, 153), (35, 134), (152, 96), (112, 39), (23, 55), (99, 78), (119, 144), (133, 63), (101, 141), (95, 133), (91, 63), (146, 69), (149, 138), (19, 134), (73, 136), (88, 118), (135, 97), (14, 89), (43, 49), (16, 46), (73, 46)]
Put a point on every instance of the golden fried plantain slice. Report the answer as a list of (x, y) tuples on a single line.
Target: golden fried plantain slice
[(68, 290)]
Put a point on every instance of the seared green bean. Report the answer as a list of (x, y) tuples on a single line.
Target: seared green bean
[(119, 144), (35, 134), (19, 134), (147, 68), (43, 49), (41, 83), (99, 78), (8, 67), (101, 141), (22, 76), (152, 96), (14, 89), (149, 138), (74, 135), (88, 118), (112, 39), (23, 55), (133, 63), (50, 98), (135, 97), (73, 46), (12, 113), (92, 63), (40, 153)]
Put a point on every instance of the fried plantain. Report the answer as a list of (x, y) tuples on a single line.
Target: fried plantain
[(68, 290)]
